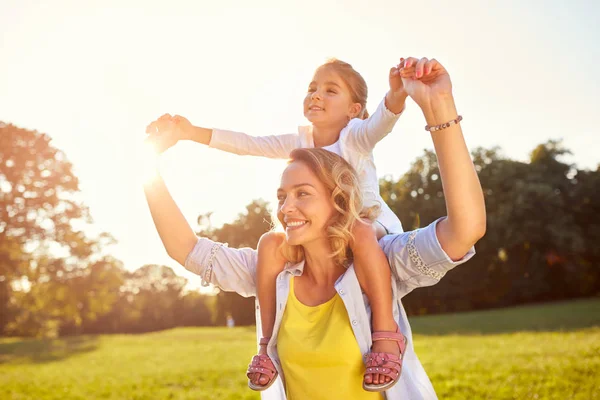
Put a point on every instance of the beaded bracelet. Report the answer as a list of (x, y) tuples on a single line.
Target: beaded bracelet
[(444, 125)]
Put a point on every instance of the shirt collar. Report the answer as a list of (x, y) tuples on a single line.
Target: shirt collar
[(295, 269), (298, 269)]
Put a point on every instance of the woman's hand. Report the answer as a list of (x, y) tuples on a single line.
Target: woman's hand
[(428, 83), (167, 130), (425, 80)]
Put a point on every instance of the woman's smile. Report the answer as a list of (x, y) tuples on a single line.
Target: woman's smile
[(295, 225)]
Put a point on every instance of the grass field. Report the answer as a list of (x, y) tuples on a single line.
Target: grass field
[(538, 352)]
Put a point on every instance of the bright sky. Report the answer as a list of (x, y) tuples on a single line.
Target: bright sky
[(93, 74)]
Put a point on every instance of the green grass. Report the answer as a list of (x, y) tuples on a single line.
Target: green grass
[(549, 351)]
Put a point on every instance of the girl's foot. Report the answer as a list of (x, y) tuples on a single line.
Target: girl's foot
[(261, 371), (384, 362)]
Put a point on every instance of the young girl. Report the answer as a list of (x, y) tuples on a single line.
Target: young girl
[(335, 106)]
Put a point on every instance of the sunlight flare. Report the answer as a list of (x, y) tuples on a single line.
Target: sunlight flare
[(146, 165)]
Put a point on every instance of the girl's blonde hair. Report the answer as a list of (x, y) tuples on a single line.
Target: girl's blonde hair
[(355, 82), (340, 179)]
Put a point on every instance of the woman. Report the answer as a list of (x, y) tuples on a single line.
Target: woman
[(319, 300)]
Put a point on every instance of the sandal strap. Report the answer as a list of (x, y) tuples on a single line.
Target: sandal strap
[(381, 335), (397, 337), (262, 363), (383, 364), (264, 341)]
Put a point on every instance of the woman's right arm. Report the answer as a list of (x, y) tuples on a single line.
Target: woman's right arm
[(176, 234), (227, 268)]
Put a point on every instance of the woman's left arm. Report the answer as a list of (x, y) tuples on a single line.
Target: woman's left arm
[(428, 83)]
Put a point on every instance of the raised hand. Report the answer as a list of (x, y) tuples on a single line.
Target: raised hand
[(167, 130), (161, 135), (179, 125), (396, 97), (395, 79), (425, 80)]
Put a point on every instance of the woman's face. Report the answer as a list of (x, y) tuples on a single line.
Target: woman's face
[(305, 206)]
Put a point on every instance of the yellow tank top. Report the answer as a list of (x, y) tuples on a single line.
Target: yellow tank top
[(319, 353)]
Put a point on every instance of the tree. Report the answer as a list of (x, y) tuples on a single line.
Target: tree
[(585, 206), (37, 208), (540, 216), (37, 197), (194, 310), (62, 299), (245, 231)]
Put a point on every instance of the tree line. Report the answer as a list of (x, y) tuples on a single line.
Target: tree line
[(541, 244)]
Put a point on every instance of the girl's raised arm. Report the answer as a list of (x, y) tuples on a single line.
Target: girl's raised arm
[(365, 134)]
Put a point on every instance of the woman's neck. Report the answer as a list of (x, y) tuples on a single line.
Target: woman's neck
[(319, 267)]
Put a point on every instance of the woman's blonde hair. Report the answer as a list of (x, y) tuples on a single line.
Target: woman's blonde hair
[(340, 179), (355, 82)]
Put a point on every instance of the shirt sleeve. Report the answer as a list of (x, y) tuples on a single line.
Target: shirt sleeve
[(232, 270), (417, 258), (363, 135), (275, 146)]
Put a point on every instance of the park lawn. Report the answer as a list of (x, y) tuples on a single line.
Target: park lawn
[(549, 351)]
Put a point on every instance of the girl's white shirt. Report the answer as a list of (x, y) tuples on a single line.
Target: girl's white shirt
[(355, 145), (416, 259)]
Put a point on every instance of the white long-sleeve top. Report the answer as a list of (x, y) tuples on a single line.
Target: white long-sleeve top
[(355, 145)]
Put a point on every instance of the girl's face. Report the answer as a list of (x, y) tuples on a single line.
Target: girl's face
[(305, 206), (328, 100)]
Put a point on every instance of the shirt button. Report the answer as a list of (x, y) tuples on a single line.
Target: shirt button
[(354, 322), (342, 292)]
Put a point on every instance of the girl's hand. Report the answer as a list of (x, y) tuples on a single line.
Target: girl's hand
[(178, 125), (425, 80), (166, 131), (395, 79), (162, 134)]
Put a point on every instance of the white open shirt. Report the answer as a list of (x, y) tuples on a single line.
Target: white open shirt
[(416, 259)]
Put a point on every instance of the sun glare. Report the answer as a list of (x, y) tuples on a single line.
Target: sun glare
[(146, 165)]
